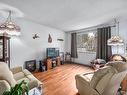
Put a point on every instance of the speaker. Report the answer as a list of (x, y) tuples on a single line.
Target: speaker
[(41, 66)]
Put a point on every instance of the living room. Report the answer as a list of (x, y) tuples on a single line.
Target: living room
[(62, 39)]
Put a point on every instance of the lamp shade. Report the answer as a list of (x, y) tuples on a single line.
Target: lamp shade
[(9, 27), (115, 40)]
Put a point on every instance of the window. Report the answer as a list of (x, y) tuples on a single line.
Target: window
[(87, 42)]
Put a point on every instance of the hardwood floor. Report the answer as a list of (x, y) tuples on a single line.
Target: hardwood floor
[(61, 80)]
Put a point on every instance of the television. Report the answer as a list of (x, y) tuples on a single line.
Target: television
[(52, 52)]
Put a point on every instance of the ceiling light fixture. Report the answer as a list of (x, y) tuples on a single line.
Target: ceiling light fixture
[(116, 40), (9, 27)]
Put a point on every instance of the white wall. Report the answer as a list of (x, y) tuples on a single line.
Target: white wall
[(85, 58), (123, 33), (24, 47)]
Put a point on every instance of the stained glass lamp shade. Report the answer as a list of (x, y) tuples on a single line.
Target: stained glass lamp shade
[(116, 40), (9, 27)]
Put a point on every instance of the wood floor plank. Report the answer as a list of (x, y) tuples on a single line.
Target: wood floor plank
[(61, 80)]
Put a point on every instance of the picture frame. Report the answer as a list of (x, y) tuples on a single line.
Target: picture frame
[(30, 65)]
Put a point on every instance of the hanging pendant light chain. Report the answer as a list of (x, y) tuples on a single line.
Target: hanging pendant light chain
[(9, 17), (118, 29)]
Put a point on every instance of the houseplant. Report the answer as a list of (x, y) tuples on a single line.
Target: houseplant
[(18, 89)]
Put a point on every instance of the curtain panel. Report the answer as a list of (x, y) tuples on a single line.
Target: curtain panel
[(103, 50), (74, 45)]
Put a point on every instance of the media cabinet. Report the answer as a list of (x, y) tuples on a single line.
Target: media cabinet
[(50, 63)]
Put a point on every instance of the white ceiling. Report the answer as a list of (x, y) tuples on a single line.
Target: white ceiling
[(70, 15), (4, 11)]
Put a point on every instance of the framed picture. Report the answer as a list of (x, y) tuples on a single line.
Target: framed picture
[(30, 65)]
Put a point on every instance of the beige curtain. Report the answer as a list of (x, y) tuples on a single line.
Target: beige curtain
[(103, 50), (74, 45)]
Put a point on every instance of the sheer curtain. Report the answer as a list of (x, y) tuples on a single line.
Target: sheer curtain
[(103, 50)]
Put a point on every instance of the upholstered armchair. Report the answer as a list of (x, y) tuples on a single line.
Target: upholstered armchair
[(9, 78), (117, 57), (104, 81)]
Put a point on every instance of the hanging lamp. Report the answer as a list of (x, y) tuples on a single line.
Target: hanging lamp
[(9, 27), (116, 40)]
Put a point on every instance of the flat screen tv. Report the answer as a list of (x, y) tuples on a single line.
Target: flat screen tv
[(52, 52)]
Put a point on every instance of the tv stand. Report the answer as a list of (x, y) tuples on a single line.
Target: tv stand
[(52, 62)]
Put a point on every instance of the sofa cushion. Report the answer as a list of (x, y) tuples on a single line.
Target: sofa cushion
[(87, 77), (26, 72), (32, 81), (99, 74), (16, 70), (32, 78), (18, 75), (118, 65), (25, 79), (103, 82), (28, 77), (6, 74), (21, 74)]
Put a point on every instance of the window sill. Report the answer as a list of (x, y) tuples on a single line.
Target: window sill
[(89, 52)]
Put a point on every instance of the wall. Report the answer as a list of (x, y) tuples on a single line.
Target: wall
[(25, 48), (85, 58), (123, 34)]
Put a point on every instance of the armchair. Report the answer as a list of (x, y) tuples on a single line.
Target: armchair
[(104, 81)]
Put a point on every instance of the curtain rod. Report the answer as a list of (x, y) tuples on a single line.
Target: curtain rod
[(88, 29)]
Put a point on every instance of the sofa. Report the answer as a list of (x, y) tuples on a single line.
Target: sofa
[(10, 77), (104, 81)]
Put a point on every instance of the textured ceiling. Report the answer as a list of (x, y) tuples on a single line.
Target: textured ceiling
[(70, 15)]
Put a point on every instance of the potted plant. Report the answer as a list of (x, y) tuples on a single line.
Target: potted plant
[(18, 89)]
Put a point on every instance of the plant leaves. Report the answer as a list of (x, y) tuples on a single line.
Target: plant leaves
[(17, 89)]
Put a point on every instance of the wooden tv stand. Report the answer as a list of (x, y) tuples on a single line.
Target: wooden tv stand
[(50, 61)]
